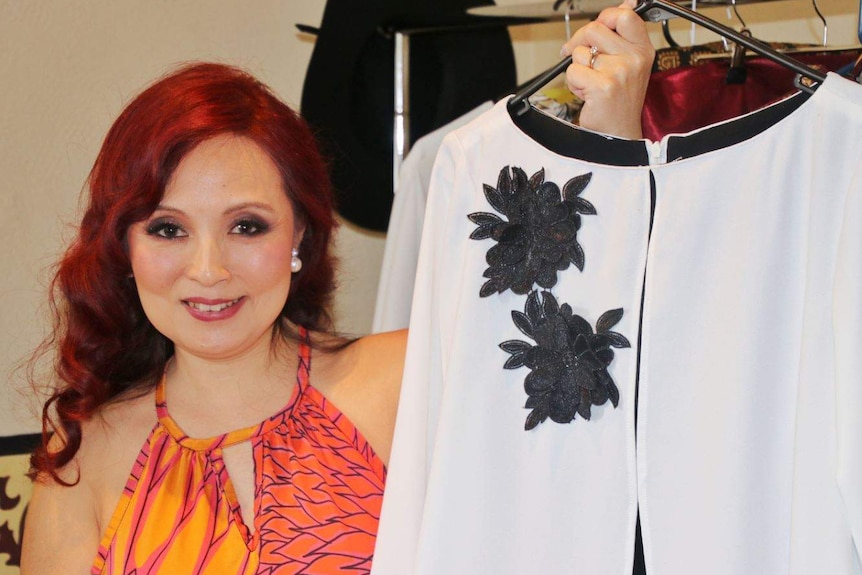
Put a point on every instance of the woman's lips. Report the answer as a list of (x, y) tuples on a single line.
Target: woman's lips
[(213, 309)]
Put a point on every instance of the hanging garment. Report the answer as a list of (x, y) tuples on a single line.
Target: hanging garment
[(317, 497), (395, 290), (348, 95), (671, 57), (687, 96), (398, 272), (604, 326)]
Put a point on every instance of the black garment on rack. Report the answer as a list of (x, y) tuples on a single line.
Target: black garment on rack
[(348, 95)]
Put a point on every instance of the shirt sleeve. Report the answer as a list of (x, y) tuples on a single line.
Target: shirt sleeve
[(398, 272), (847, 321), (413, 444)]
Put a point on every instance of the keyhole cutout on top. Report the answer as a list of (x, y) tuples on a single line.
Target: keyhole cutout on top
[(239, 463)]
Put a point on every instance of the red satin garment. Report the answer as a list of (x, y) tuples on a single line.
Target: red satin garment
[(683, 99)]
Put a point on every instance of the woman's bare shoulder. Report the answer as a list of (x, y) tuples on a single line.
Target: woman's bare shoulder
[(65, 522), (379, 363), (383, 354), (115, 436), (364, 381)]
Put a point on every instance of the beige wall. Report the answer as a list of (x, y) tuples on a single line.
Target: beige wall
[(67, 67)]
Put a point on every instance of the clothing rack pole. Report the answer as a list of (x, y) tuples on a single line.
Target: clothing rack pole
[(859, 26), (401, 126)]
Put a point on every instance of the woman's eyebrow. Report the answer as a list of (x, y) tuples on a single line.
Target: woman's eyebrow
[(233, 209), (246, 205)]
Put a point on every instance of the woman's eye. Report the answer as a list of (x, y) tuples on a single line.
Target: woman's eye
[(249, 228), (167, 230)]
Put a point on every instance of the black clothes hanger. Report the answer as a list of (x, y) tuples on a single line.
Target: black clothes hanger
[(661, 10), (665, 31)]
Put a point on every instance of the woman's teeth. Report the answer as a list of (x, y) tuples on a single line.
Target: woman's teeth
[(211, 308)]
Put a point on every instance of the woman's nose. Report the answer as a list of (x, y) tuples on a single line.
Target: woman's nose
[(208, 266)]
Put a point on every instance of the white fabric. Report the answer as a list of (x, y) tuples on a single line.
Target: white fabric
[(398, 272), (748, 458)]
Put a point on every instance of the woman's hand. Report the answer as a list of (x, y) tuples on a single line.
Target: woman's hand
[(611, 62)]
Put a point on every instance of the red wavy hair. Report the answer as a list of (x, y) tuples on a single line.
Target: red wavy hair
[(104, 343)]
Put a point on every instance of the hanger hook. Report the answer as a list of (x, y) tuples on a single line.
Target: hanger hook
[(567, 16), (739, 17), (822, 19)]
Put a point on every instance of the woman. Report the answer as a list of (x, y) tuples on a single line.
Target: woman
[(195, 427), (203, 250)]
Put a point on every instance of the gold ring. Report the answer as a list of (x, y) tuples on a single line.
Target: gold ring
[(594, 53)]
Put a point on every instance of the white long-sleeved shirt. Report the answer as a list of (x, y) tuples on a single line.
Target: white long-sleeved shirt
[(737, 436), (398, 271)]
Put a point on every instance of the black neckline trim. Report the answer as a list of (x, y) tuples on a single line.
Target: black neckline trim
[(573, 142)]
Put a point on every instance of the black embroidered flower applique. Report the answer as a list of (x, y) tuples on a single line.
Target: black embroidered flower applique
[(569, 363), (540, 235)]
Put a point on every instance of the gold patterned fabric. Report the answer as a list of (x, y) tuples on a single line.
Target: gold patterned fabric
[(679, 57), (15, 491)]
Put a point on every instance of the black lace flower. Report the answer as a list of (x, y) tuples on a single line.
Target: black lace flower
[(569, 363), (540, 237)]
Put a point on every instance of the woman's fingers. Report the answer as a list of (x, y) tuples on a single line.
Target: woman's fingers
[(625, 22), (580, 76), (617, 30), (587, 56), (611, 62)]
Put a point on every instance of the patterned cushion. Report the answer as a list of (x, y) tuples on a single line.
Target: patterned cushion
[(15, 490)]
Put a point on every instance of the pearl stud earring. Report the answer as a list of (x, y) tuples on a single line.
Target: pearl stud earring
[(295, 262)]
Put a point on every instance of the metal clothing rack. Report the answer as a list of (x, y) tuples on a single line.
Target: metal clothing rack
[(496, 16), (401, 125)]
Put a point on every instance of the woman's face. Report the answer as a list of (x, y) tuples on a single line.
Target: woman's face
[(212, 263)]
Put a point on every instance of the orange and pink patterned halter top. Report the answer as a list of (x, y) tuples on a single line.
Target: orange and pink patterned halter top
[(318, 491)]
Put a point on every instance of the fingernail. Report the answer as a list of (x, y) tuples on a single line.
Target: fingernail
[(564, 50)]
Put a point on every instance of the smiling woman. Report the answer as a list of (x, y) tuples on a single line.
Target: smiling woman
[(188, 432), (217, 247)]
